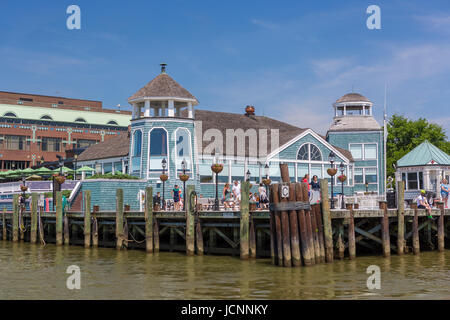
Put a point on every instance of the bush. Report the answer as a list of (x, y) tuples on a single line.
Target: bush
[(113, 176)]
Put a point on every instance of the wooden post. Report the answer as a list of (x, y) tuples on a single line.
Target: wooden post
[(149, 219), (326, 215), (279, 237), (87, 218), (340, 239), (4, 224), (66, 230), (190, 223), (273, 234), (15, 218), (155, 235), (119, 219), (415, 235), (34, 222), (386, 243), (401, 217), (199, 237), (59, 219), (95, 231), (244, 221), (305, 247), (293, 219), (309, 230), (351, 233), (252, 238), (320, 228), (315, 235), (441, 234)]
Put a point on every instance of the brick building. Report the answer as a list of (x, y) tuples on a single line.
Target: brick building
[(36, 127)]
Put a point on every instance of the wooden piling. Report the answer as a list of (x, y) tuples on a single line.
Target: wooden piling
[(244, 220), (66, 230), (294, 229), (273, 234), (119, 219), (252, 239), (87, 218), (286, 238), (277, 214), (305, 247), (326, 218), (4, 224), (441, 233), (351, 233), (340, 239), (59, 219), (315, 235), (415, 235), (155, 235), (34, 222), (385, 237), (190, 232), (149, 219), (94, 231), (15, 218), (400, 217), (320, 228), (199, 237), (309, 231)]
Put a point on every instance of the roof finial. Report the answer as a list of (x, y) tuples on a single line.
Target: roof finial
[(163, 67)]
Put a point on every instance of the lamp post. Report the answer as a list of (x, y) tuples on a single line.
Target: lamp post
[(332, 172), (267, 180), (367, 187), (184, 177), (216, 168), (164, 178), (75, 167), (342, 179), (247, 175)]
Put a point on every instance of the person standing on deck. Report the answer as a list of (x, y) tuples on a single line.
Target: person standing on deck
[(176, 197), (444, 192), (64, 204), (237, 192)]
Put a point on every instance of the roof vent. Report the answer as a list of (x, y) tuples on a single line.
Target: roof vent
[(250, 111), (163, 67)]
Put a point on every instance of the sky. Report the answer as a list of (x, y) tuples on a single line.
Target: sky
[(290, 59)]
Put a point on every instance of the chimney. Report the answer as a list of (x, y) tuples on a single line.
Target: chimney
[(250, 111)]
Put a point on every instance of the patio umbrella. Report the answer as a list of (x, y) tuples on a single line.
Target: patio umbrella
[(85, 169), (64, 170), (34, 177), (27, 171), (43, 171)]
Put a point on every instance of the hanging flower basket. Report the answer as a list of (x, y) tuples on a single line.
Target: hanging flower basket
[(250, 110), (332, 171), (266, 182), (217, 168), (164, 177), (184, 177), (60, 179), (342, 178), (23, 188)]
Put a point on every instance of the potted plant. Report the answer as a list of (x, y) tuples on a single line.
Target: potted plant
[(342, 178), (23, 188), (184, 177), (217, 168), (164, 177), (60, 179), (96, 208), (332, 171), (127, 207)]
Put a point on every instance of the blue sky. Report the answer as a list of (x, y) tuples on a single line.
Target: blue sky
[(290, 59)]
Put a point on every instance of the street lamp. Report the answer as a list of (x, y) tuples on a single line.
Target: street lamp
[(75, 168), (332, 172), (267, 180), (367, 186), (216, 168), (247, 175), (184, 177), (164, 178), (342, 179)]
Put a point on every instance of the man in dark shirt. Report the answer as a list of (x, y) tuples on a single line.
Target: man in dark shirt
[(157, 200)]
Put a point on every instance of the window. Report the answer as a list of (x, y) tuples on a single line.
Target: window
[(356, 150), (118, 167), (51, 144), (310, 152), (412, 181), (158, 151), (316, 170), (370, 151), (84, 143), (136, 153), (16, 143), (26, 99), (80, 120), (371, 175), (10, 114), (112, 122), (107, 167), (359, 178), (205, 173), (46, 118), (183, 149), (302, 169)]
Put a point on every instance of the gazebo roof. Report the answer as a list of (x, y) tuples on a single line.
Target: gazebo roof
[(425, 153)]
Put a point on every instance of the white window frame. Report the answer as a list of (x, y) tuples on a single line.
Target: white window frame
[(148, 154), (363, 151)]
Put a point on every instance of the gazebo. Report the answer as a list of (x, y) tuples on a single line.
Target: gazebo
[(424, 167)]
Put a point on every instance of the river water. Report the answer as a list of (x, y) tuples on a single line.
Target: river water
[(36, 272)]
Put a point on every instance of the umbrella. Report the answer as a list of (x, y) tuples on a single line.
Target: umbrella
[(64, 170), (34, 177), (43, 170), (27, 171), (85, 169)]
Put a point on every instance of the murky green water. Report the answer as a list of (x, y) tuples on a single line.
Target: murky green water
[(36, 272)]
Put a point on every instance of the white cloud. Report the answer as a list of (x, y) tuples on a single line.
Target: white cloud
[(265, 24)]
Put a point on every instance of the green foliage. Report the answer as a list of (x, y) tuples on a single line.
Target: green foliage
[(405, 134), (65, 193), (113, 176)]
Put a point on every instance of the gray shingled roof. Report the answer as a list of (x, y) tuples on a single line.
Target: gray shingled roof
[(352, 97), (111, 148), (352, 123), (162, 86)]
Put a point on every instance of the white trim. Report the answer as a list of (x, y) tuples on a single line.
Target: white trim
[(178, 99), (148, 154), (130, 162), (309, 152), (164, 119), (363, 144), (191, 160)]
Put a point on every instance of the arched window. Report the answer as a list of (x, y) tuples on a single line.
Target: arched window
[(112, 122), (46, 117), (157, 151), (183, 149), (80, 120), (10, 114), (309, 152), (136, 152)]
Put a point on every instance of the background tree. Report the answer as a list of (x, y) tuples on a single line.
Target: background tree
[(405, 134)]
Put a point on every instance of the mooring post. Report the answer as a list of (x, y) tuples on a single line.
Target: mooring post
[(199, 237), (340, 239), (149, 219), (304, 247), (351, 233), (66, 230), (94, 230), (385, 237), (273, 234), (119, 219), (441, 234), (59, 219), (87, 218), (293, 219), (401, 217), (15, 218), (309, 226), (320, 228), (244, 221), (279, 237), (4, 224), (190, 226), (326, 215), (252, 238), (156, 235), (415, 235), (315, 234), (33, 213)]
